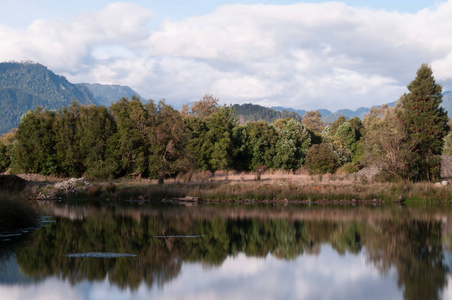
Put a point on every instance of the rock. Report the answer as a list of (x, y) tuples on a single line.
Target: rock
[(368, 172), (55, 191), (73, 184)]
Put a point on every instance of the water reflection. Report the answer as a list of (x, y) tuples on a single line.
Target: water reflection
[(242, 252)]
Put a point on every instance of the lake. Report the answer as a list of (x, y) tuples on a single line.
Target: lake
[(156, 251)]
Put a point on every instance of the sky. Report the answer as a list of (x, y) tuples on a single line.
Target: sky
[(304, 55)]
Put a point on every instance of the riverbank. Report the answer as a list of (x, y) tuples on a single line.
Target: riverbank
[(287, 192), (244, 188)]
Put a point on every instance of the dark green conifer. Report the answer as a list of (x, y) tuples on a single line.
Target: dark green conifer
[(425, 121)]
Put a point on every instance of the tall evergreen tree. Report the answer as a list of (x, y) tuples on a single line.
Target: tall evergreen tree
[(425, 121)]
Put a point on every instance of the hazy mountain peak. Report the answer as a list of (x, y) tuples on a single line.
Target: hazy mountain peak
[(105, 94)]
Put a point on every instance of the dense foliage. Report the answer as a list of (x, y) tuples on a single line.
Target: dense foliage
[(322, 159), (135, 138)]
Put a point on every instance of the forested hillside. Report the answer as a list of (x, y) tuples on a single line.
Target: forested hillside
[(252, 112), (24, 86), (13, 104)]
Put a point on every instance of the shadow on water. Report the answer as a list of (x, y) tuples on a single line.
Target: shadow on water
[(416, 242)]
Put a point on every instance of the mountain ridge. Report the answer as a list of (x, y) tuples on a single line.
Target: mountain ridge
[(27, 85), (106, 94), (329, 117)]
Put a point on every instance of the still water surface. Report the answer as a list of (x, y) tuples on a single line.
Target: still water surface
[(231, 252)]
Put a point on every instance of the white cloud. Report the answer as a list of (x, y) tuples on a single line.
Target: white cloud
[(305, 56), (67, 45)]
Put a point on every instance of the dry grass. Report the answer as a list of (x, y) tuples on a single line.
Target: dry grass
[(276, 185), (290, 188)]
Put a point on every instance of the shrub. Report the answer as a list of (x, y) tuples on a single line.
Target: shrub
[(321, 159), (350, 168)]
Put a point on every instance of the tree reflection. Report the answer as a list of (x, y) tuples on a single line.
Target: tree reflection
[(412, 247)]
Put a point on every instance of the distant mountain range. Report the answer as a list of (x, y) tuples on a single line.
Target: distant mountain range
[(24, 86), (329, 117), (107, 94)]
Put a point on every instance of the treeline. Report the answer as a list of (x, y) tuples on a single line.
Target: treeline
[(157, 141), (138, 138)]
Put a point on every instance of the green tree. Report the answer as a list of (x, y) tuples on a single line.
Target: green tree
[(335, 125), (35, 149), (347, 136), (98, 128), (389, 146), (321, 159), (293, 142), (168, 141), (358, 126), (447, 149), (67, 141), (211, 140), (133, 121), (259, 140), (425, 121), (7, 142)]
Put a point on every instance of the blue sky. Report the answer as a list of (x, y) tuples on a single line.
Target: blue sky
[(305, 55), (22, 12)]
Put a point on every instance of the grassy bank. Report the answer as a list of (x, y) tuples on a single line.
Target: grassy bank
[(294, 189), (15, 212)]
